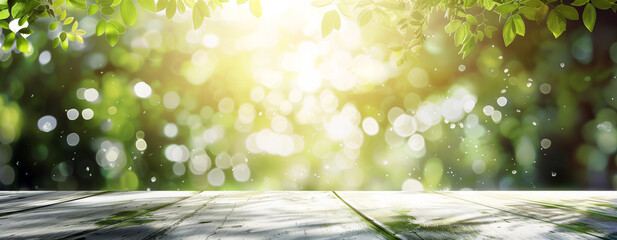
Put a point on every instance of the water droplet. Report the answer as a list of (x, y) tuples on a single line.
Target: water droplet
[(72, 139), (502, 101), (545, 143), (47, 123)]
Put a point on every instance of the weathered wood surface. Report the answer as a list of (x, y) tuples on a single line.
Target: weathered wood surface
[(435, 216), (308, 215), (552, 210)]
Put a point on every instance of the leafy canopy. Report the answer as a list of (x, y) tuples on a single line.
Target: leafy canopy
[(468, 20)]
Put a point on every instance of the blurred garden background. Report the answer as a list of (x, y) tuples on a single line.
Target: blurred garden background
[(246, 103)]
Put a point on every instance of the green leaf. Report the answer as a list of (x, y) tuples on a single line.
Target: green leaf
[(555, 23), (25, 31), (589, 16), (364, 17), (181, 7), (79, 39), (147, 4), (53, 26), (461, 34), (22, 8), (453, 26), (62, 36), (70, 36), (92, 9), (471, 19), (579, 3), (105, 3), (469, 3), (344, 9), (57, 3), (488, 31), (100, 27), (468, 46), (108, 10), (255, 6), (68, 20), (189, 3), (240, 2), (509, 31), (321, 3), (601, 4), (55, 42), (519, 24), (117, 25), (80, 32), (568, 12), (128, 12), (541, 13), (112, 35), (171, 9), (200, 11), (331, 20), (488, 4), (4, 14), (75, 24), (504, 9), (161, 4), (22, 20), (198, 18), (8, 41), (4, 24), (532, 3), (382, 18), (529, 12), (65, 45), (78, 3), (204, 9)]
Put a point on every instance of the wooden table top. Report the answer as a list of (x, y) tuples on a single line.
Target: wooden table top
[(308, 215)]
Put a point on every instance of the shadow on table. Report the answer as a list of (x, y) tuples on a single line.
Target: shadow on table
[(597, 217), (279, 215)]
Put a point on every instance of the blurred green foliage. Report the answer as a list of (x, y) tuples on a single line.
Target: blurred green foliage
[(250, 103)]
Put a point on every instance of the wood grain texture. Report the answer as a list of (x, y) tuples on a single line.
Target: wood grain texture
[(433, 216), (156, 223), (32, 200), (585, 223), (274, 215), (79, 217), (308, 215)]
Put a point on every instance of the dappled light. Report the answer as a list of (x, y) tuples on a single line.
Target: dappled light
[(281, 96)]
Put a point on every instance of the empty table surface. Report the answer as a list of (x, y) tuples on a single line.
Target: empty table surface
[(308, 215)]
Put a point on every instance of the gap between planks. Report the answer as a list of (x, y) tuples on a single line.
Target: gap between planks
[(386, 231), (521, 215)]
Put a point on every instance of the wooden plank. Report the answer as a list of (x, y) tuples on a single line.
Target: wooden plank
[(32, 200), (602, 203), (82, 216), (433, 216), (584, 223), (274, 215), (155, 223), (19, 195)]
